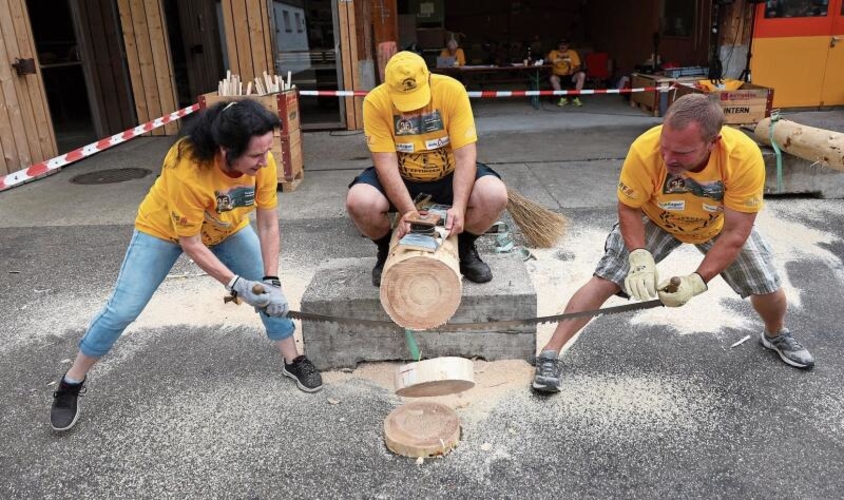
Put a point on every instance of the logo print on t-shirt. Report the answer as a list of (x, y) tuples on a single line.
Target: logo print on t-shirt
[(236, 197), (678, 184)]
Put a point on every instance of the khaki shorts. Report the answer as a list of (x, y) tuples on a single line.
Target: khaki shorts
[(752, 273)]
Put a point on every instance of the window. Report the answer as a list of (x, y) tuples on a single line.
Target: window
[(287, 27), (678, 18), (795, 8), (299, 22)]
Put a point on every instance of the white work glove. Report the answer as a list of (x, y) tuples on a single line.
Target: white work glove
[(277, 307), (690, 286), (251, 292), (641, 280)]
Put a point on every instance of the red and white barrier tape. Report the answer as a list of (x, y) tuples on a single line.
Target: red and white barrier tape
[(499, 93), (43, 167)]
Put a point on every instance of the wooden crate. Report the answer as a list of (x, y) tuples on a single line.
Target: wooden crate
[(285, 105), (655, 102), (747, 104), (288, 155)]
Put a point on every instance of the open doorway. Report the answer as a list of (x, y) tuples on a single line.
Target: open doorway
[(80, 51), (193, 28), (307, 47)]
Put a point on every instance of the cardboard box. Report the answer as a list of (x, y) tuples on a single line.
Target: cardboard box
[(748, 104), (288, 156), (285, 105)]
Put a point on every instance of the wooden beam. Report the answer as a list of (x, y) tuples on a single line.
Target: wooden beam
[(231, 40), (133, 59), (162, 64), (37, 120), (9, 111)]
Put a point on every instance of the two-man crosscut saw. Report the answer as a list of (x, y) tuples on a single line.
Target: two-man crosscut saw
[(484, 325)]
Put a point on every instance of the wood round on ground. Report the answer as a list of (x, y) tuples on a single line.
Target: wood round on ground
[(421, 290), (422, 429), (435, 377)]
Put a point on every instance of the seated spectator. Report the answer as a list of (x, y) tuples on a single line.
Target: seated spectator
[(567, 70), (452, 50)]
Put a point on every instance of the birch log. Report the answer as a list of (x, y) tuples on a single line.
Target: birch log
[(814, 144)]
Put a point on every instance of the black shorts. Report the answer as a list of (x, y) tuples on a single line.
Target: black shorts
[(441, 190)]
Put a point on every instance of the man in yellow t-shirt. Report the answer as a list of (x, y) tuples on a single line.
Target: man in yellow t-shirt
[(690, 180), (452, 50), (421, 133), (566, 71), (210, 181)]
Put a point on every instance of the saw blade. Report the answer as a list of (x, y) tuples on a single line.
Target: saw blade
[(485, 325)]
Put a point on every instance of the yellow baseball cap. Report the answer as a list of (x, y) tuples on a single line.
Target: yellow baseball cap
[(406, 77)]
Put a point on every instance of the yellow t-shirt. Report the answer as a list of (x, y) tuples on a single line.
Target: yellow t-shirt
[(191, 198), (459, 56), (691, 206), (424, 143), (564, 62)]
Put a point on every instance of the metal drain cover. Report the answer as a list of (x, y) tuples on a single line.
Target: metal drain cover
[(111, 176)]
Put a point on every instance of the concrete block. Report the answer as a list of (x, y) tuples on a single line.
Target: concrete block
[(801, 176), (343, 287)]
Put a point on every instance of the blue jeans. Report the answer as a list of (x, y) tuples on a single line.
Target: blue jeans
[(147, 262)]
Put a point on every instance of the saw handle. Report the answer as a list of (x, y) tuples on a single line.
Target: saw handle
[(257, 289), (673, 285)]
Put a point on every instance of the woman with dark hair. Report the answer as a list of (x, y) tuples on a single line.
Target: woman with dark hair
[(211, 179)]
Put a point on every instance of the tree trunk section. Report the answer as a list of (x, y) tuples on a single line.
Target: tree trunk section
[(421, 290), (814, 144)]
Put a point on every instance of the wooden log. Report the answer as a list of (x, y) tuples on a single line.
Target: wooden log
[(422, 429), (421, 290), (435, 377), (814, 144)]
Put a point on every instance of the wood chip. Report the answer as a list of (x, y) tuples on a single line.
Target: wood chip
[(740, 342), (420, 461), (332, 401), (486, 447)]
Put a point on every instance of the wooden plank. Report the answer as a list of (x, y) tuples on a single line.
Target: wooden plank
[(95, 15), (115, 59), (37, 94), (231, 40), (242, 42), (354, 56), (145, 61), (133, 59), (8, 105), (344, 36), (80, 12), (163, 64), (22, 83), (267, 34), (256, 47)]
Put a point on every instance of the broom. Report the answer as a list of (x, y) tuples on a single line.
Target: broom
[(542, 228)]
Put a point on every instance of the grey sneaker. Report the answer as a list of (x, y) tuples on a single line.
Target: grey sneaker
[(548, 369), (791, 351)]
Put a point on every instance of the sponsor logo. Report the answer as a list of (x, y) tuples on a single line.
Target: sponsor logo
[(736, 110), (627, 190), (673, 206), (753, 202), (436, 143), (713, 208), (740, 96), (408, 84), (405, 147)]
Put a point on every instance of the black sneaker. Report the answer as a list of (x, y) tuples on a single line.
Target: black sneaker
[(65, 411), (471, 265), (305, 374), (383, 252)]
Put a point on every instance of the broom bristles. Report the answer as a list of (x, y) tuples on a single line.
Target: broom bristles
[(541, 227)]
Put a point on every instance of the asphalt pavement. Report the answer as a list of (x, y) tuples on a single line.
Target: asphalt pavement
[(191, 402)]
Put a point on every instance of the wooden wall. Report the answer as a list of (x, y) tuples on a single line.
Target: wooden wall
[(248, 38), (149, 61), (351, 70), (26, 129)]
